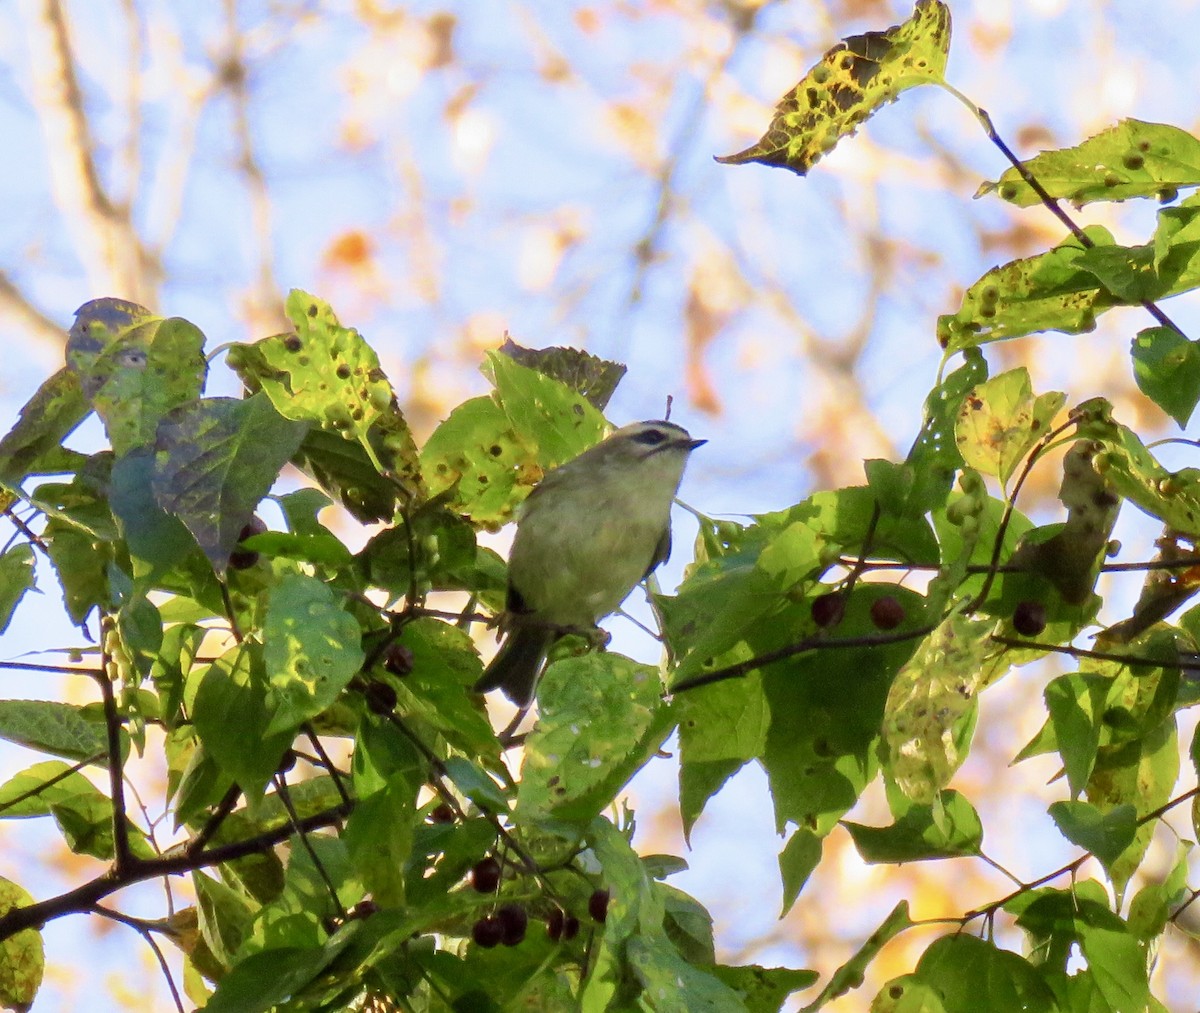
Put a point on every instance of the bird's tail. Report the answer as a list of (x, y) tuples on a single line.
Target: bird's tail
[(518, 663)]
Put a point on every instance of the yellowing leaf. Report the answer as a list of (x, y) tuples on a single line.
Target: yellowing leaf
[(852, 80)]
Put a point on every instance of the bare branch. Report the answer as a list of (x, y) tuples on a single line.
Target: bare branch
[(103, 233)]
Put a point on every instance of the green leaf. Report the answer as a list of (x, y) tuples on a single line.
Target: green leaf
[(311, 649), (1000, 421), (930, 695), (264, 980), (1105, 835), (1166, 366), (1132, 159), (52, 727), (907, 994), (846, 518), (973, 976), (134, 367), (850, 975), (231, 715), (379, 837), (1118, 963), (22, 955), (346, 472), (481, 461), (157, 540), (476, 785), (1047, 292), (799, 857), (601, 718), (83, 813), (671, 985), (698, 782), (225, 917), (1141, 773), (1076, 707), (821, 746), (949, 828), (16, 577), (544, 412), (934, 456), (34, 445), (763, 989), (324, 549), (1133, 472), (326, 374), (445, 667), (1155, 903), (215, 459), (594, 378), (1069, 556), (855, 78), (81, 565), (686, 922), (430, 548)]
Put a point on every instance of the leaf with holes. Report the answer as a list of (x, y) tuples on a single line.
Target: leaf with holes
[(852, 80)]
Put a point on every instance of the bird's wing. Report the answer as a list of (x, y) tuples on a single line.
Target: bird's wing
[(661, 552)]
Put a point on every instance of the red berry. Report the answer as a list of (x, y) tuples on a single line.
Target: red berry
[(598, 905), (887, 613), (398, 659), (514, 920), (487, 932), (1029, 618), (485, 876), (243, 559), (441, 814), (828, 609), (380, 697)]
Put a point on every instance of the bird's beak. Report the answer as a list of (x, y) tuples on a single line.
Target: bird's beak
[(693, 444)]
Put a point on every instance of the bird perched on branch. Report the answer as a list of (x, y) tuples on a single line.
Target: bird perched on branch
[(588, 532)]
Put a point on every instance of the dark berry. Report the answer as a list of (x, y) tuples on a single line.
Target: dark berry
[(255, 526), (287, 762), (485, 876), (515, 921), (554, 924), (1029, 618), (570, 928), (598, 905), (363, 909), (488, 932), (442, 814), (887, 613), (398, 659), (243, 559), (380, 697), (828, 609)]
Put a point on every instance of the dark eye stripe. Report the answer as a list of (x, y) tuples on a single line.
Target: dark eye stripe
[(650, 437)]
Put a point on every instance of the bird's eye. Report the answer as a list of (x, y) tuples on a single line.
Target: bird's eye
[(650, 437)]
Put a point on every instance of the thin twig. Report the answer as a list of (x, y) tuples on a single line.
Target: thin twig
[(50, 782), (1051, 203), (123, 857), (821, 642), (285, 796), (144, 929)]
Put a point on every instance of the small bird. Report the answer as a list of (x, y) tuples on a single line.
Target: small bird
[(586, 535)]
